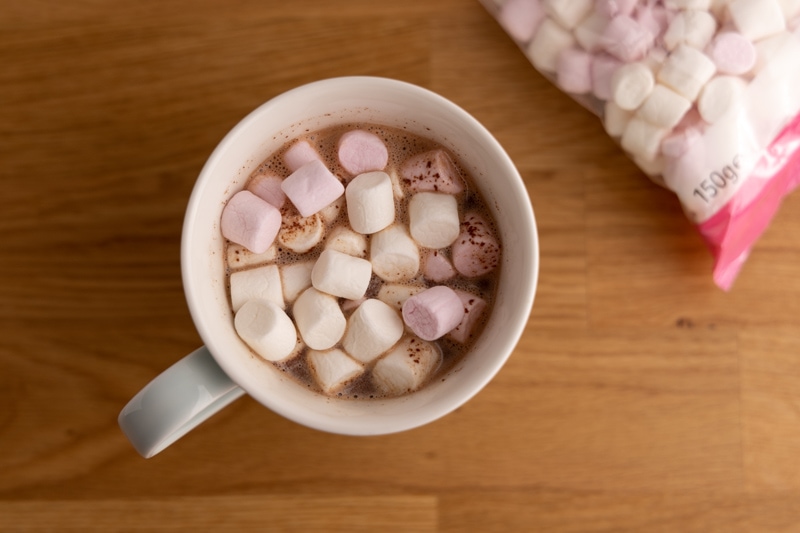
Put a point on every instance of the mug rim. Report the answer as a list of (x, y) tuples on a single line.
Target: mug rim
[(189, 273)]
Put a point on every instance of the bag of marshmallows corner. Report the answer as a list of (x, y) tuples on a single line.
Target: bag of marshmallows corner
[(703, 95)]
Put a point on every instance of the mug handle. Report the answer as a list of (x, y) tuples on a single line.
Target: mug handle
[(176, 401)]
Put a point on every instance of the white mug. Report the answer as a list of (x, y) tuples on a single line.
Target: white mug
[(210, 378)]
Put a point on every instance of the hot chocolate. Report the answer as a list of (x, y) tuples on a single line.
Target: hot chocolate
[(385, 261)]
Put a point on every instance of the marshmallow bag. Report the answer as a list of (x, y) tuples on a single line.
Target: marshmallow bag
[(703, 95)]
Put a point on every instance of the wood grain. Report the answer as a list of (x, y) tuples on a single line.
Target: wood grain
[(640, 398)]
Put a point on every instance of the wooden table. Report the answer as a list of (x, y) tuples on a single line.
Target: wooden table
[(640, 398)]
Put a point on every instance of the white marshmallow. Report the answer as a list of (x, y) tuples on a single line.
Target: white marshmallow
[(296, 278), (654, 168), (642, 138), (397, 187), (433, 219), (333, 369), (789, 8), (341, 275), (548, 41), (319, 319), (568, 13), (692, 27), (300, 234), (406, 367), (615, 119), (688, 4), (394, 254), (343, 239), (757, 19), (267, 329), (720, 95), (631, 84), (767, 49), (589, 33), (396, 294), (686, 70), (372, 329), (664, 107), (370, 202), (241, 257), (261, 283)]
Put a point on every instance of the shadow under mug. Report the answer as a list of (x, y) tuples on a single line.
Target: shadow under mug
[(224, 369)]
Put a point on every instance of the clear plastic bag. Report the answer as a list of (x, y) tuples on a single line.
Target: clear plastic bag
[(704, 95)]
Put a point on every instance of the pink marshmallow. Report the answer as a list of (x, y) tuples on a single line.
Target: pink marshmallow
[(687, 132), (476, 250), (432, 171), (603, 68), (521, 18), (300, 153), (250, 221), (612, 8), (574, 71), (732, 53), (626, 39), (432, 313), (268, 188), (312, 187), (473, 309), (361, 151), (437, 267), (655, 19)]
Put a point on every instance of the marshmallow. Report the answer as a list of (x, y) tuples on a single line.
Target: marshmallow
[(262, 283), (474, 306), (757, 19), (341, 275), (688, 4), (574, 71), (652, 167), (396, 294), (300, 153), (720, 95), (654, 18), (615, 119), (343, 239), (603, 68), (686, 70), (681, 138), (433, 312), (612, 8), (631, 84), (267, 329), (406, 367), (371, 330), (397, 187), (333, 369), (568, 13), (319, 319), (732, 53), (589, 33), (767, 49), (437, 267), (432, 171), (295, 278), (433, 219), (626, 39), (370, 202), (476, 250), (642, 139), (520, 18), (550, 39), (312, 187), (664, 107), (300, 234), (692, 27), (394, 254), (250, 221), (240, 257), (789, 8), (361, 151), (330, 214), (268, 188)]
